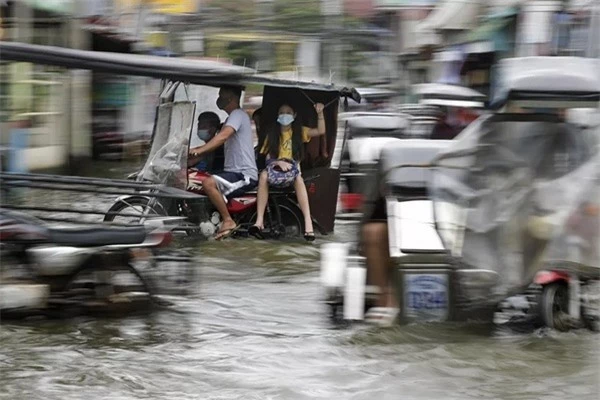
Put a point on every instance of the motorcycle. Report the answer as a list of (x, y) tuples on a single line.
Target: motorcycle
[(64, 271), (283, 217)]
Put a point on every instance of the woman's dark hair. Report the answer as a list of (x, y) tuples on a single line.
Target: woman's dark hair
[(257, 113), (274, 135)]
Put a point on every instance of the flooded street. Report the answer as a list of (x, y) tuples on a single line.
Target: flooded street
[(255, 328)]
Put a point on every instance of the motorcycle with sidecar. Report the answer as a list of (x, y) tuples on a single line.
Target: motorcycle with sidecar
[(506, 211), (185, 84)]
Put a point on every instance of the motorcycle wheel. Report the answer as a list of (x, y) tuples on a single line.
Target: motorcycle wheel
[(554, 306), (590, 309), (291, 223), (133, 205), (112, 290)]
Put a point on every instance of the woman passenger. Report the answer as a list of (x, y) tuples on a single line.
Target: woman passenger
[(284, 148)]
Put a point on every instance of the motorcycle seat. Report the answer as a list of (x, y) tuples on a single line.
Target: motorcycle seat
[(91, 237)]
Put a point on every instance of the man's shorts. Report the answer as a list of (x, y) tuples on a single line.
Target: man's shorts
[(378, 212), (232, 184)]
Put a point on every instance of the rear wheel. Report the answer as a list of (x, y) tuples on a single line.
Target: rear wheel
[(137, 209), (99, 289), (554, 306), (291, 222)]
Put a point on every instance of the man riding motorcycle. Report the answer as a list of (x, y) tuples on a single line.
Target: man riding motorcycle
[(240, 173)]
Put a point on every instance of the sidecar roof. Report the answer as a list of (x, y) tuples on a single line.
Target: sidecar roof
[(201, 72), (441, 94), (405, 163), (378, 124), (549, 82)]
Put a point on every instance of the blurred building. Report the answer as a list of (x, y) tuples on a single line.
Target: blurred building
[(37, 107), (65, 116), (393, 43), (459, 41)]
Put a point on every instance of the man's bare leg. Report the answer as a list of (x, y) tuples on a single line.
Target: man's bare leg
[(216, 198), (376, 251)]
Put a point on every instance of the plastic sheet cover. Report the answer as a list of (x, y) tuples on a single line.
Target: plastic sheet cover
[(516, 192), (167, 161)]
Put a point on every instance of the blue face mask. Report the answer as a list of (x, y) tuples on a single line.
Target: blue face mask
[(203, 135), (285, 119)]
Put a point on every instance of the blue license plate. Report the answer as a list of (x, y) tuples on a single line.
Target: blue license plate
[(426, 296)]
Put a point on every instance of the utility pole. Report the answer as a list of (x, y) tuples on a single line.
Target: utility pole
[(333, 55), (264, 11), (78, 109)]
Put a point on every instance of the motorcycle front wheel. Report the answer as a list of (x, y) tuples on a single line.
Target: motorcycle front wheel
[(133, 210), (109, 290)]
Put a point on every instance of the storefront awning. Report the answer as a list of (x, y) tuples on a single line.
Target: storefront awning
[(452, 15), (448, 15), (490, 36)]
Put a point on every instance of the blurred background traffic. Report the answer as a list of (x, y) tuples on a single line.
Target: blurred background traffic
[(57, 118)]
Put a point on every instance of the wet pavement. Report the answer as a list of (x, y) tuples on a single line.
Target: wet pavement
[(253, 327)]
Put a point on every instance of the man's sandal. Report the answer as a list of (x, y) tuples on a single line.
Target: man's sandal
[(224, 234)]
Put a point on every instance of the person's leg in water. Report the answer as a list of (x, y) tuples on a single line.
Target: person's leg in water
[(377, 254), (216, 198), (302, 197), (261, 205)]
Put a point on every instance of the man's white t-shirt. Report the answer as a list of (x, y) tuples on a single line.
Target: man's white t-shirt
[(239, 148)]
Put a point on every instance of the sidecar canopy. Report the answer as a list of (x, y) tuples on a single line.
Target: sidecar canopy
[(440, 94), (378, 124), (548, 82), (405, 163)]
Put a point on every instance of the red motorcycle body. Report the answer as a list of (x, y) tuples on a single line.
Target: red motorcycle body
[(235, 205), (547, 277)]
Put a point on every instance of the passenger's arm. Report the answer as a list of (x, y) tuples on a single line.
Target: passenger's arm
[(321, 129), (217, 141)]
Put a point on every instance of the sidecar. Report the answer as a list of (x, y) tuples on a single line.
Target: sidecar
[(430, 284), (523, 187)]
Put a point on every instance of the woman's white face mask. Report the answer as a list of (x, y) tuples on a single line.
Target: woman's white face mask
[(285, 119)]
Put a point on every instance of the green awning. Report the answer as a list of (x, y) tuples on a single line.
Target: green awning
[(56, 6), (492, 31), (504, 13), (486, 31)]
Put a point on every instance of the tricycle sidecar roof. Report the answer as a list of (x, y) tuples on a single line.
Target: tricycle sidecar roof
[(378, 124), (405, 163), (549, 82), (201, 72), (441, 94)]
